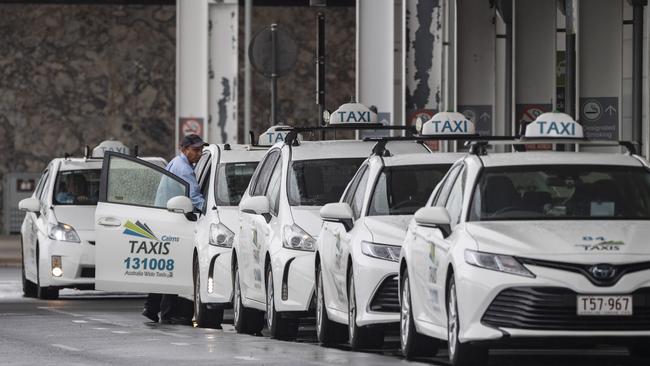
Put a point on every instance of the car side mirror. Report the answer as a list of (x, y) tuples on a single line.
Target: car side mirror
[(436, 217), (340, 212), (30, 204), (256, 205), (180, 204)]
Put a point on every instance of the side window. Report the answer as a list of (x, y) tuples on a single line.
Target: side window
[(273, 192), (454, 203), (359, 194), (136, 182), (202, 167), (353, 185), (40, 184), (42, 196), (443, 192), (264, 173)]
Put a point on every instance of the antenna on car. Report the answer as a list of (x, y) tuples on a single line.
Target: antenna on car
[(251, 133), (136, 150)]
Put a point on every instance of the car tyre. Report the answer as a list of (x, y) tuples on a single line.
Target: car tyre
[(413, 344), (460, 354), (279, 325), (43, 292), (360, 337), (327, 331), (203, 316), (29, 287), (247, 321)]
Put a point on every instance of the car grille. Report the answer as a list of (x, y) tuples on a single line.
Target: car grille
[(88, 272), (386, 297), (555, 308)]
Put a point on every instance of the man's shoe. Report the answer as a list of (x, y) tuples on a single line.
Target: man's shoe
[(150, 315), (176, 321)]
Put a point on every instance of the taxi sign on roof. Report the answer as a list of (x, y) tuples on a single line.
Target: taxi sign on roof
[(448, 123), (109, 145), (353, 113), (271, 136), (554, 125)]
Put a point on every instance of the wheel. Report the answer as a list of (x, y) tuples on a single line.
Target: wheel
[(43, 293), (204, 317), (412, 343), (360, 337), (327, 331), (248, 321), (29, 287), (279, 326), (460, 354)]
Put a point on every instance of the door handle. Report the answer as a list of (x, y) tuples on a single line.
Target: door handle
[(109, 221)]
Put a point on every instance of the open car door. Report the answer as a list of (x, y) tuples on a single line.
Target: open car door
[(141, 246)]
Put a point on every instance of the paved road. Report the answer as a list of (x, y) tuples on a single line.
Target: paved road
[(89, 328)]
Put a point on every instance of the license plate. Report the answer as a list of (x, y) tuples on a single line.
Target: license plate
[(605, 305)]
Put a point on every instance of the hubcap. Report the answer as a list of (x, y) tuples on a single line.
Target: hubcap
[(237, 301), (319, 304), (452, 320), (405, 316), (352, 310), (269, 300)]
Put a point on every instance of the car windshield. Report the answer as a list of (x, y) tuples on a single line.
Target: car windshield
[(77, 187), (403, 190), (563, 192), (317, 182), (231, 182)]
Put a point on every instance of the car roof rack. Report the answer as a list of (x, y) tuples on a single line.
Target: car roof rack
[(292, 136), (380, 147), (479, 147)]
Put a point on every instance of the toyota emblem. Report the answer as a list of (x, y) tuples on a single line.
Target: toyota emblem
[(603, 272)]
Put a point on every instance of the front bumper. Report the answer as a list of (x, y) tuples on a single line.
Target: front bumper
[(216, 270), (293, 271), (77, 263), (376, 284), (484, 319)]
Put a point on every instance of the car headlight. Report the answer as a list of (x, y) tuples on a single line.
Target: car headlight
[(221, 236), (296, 238), (63, 232), (497, 262), (381, 251)]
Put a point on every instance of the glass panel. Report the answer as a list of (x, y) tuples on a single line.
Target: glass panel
[(317, 182), (77, 187), (265, 173), (403, 190), (359, 194), (562, 192), (232, 180), (273, 192), (134, 183)]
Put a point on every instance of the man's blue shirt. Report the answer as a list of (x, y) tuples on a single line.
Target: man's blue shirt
[(181, 167)]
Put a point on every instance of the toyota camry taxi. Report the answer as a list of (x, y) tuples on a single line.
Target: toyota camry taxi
[(273, 254), (359, 243), (530, 246), (57, 235), (153, 240)]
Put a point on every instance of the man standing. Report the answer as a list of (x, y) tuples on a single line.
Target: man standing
[(183, 167)]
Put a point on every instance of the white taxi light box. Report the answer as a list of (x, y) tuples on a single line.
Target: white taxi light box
[(109, 145), (353, 113), (448, 123), (554, 125), (271, 136)]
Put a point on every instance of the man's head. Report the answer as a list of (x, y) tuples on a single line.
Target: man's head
[(192, 146)]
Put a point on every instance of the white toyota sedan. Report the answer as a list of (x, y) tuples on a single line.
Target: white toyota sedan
[(530, 246)]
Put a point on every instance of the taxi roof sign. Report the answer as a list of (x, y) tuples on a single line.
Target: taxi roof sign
[(356, 113), (554, 125), (277, 133), (110, 145), (448, 123)]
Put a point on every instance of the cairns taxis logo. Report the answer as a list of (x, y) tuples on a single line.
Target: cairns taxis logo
[(139, 229), (599, 244), (151, 244)]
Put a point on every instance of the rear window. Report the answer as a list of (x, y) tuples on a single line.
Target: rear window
[(77, 187), (317, 182), (232, 180)]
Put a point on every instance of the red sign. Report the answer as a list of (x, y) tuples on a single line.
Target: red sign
[(190, 125)]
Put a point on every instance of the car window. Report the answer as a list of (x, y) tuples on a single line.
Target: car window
[(76, 187), (319, 181), (140, 183), (359, 194), (273, 191), (264, 173), (349, 194), (43, 194), (443, 192), (231, 181), (40, 184), (454, 204), (202, 167)]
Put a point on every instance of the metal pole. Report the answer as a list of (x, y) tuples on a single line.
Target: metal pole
[(320, 69), (248, 5), (508, 83), (274, 75), (570, 60), (637, 71)]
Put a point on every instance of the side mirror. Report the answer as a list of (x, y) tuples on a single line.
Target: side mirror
[(256, 205), (338, 212), (30, 204), (180, 204), (436, 217)]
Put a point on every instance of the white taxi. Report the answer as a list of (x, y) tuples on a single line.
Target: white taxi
[(57, 234), (273, 255), (151, 239), (361, 237), (530, 246)]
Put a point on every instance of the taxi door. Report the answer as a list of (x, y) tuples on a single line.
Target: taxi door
[(140, 245)]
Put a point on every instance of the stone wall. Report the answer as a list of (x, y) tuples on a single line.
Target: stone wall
[(74, 75)]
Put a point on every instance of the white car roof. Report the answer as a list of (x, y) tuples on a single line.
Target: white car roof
[(339, 149), (94, 163), (422, 159), (557, 158), (241, 153)]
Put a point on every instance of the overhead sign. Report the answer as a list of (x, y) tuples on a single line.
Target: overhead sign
[(448, 123), (353, 113), (109, 145), (271, 136), (554, 125), (599, 117)]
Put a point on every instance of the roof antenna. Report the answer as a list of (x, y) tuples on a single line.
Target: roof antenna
[(251, 134), (136, 150)]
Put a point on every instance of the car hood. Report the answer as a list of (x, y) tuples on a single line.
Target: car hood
[(308, 218), (81, 218), (388, 229), (587, 241)]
